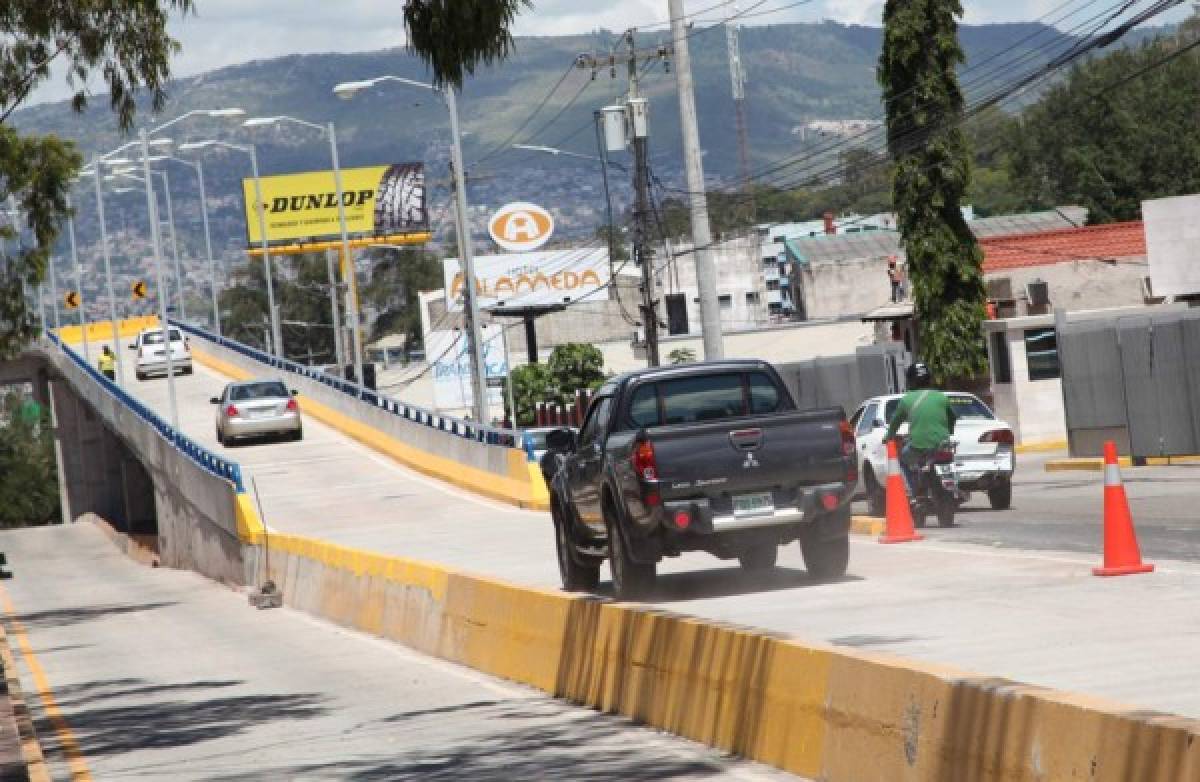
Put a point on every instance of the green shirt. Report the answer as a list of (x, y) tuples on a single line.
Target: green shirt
[(930, 418)]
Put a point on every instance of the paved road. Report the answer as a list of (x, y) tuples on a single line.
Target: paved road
[(1034, 616), (162, 674), (1063, 511)]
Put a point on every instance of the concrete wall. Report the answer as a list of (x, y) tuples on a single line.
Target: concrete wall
[(1083, 285), (740, 272), (833, 290)]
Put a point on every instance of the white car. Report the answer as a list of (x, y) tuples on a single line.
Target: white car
[(152, 357), (984, 458)]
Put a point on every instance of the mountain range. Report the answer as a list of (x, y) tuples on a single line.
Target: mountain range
[(796, 73)]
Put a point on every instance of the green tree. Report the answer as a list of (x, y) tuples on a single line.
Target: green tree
[(531, 384), (454, 36), (126, 42), (397, 276), (1103, 141), (681, 356), (575, 367), (28, 471), (924, 107)]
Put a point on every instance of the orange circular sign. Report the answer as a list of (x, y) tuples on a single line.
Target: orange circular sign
[(521, 226)]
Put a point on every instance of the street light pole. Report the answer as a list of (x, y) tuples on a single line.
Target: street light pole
[(156, 242), (78, 279), (470, 299), (470, 303), (174, 246), (351, 270), (272, 313), (112, 299), (212, 263), (337, 313)]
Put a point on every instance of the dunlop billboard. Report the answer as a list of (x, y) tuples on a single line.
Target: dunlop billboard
[(379, 200)]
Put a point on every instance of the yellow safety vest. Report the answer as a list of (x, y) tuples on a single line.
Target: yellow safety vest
[(108, 362)]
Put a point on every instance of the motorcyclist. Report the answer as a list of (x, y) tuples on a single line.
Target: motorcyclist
[(930, 418)]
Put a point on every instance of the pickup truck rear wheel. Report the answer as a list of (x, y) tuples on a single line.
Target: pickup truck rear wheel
[(575, 577), (825, 559), (759, 558), (631, 580)]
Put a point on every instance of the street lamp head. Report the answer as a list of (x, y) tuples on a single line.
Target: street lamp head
[(348, 89), (258, 122), (230, 112), (537, 148)]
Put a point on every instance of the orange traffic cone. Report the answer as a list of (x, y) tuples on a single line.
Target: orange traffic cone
[(899, 518), (1121, 554)]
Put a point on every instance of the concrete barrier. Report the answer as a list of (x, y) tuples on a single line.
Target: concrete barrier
[(496, 471), (195, 509), (824, 712), (101, 330)]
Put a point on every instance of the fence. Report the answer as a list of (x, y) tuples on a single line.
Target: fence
[(846, 380), (457, 426), (1134, 379), (222, 468), (558, 414)]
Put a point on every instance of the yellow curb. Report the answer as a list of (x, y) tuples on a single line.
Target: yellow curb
[(867, 525), (1042, 445), (1096, 464)]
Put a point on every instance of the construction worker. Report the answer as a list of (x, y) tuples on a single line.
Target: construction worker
[(108, 363)]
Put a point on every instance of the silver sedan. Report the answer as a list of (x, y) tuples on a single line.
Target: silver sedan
[(257, 408)]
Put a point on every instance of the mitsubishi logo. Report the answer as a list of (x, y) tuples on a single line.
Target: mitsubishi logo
[(750, 461)]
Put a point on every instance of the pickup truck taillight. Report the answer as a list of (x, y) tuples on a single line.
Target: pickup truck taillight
[(848, 452), (643, 461), (1001, 436), (232, 412)]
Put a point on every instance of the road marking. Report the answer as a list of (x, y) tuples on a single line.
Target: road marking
[(66, 739)]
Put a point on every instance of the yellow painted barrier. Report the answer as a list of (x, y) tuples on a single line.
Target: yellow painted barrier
[(523, 485), (867, 525), (1042, 446), (823, 712), (101, 330)]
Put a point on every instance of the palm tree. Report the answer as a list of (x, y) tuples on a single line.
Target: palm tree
[(454, 36)]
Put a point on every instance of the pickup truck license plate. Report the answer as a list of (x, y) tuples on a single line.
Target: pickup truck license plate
[(753, 504)]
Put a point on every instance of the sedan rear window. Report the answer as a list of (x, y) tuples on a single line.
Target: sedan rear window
[(156, 337), (271, 390)]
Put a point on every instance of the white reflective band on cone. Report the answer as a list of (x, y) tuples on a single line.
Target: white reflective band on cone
[(1112, 475)]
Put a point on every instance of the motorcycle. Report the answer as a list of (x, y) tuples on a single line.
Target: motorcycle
[(936, 490)]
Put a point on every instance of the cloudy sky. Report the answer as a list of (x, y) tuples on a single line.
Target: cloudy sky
[(226, 32)]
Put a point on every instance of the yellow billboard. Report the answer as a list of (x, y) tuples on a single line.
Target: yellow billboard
[(378, 200)]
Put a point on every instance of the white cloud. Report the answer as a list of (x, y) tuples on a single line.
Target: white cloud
[(227, 32)]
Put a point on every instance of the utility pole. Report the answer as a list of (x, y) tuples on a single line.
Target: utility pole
[(643, 254), (737, 78), (706, 277), (629, 125)]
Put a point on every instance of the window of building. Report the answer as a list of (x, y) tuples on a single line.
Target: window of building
[(726, 301), (1041, 351), (773, 285), (752, 297), (1001, 363)]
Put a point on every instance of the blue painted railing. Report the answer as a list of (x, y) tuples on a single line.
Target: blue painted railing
[(470, 430), (223, 468)]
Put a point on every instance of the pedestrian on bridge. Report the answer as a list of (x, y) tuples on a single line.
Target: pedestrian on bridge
[(108, 364)]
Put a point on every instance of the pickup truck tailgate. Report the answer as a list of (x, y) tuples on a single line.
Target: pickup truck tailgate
[(780, 452)]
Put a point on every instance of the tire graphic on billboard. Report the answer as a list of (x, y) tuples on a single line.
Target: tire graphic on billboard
[(400, 200)]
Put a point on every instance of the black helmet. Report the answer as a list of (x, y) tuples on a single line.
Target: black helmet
[(918, 375)]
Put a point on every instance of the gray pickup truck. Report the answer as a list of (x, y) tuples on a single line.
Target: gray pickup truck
[(702, 457)]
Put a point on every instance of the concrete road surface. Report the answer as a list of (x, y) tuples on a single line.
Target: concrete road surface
[(1063, 511), (158, 674), (1017, 610)]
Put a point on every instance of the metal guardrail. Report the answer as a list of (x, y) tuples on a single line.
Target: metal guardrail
[(223, 468), (488, 435)]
